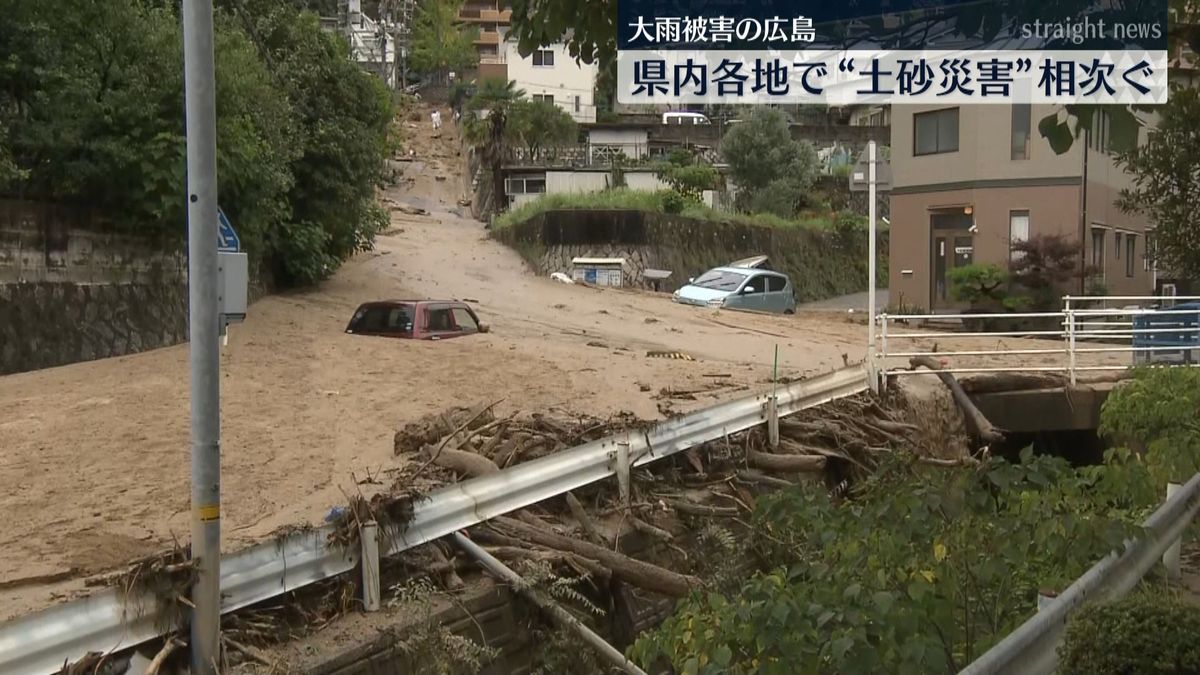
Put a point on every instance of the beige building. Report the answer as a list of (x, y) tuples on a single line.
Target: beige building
[(968, 181), (492, 18)]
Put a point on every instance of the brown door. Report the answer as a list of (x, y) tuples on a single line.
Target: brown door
[(952, 246)]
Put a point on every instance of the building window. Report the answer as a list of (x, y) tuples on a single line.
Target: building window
[(546, 98), (1130, 251), (543, 58), (577, 105), (1098, 237), (529, 185), (1148, 254), (935, 132), (1018, 231), (1021, 122), (1098, 134), (1118, 246)]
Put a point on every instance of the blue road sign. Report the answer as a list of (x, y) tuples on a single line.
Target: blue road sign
[(227, 239)]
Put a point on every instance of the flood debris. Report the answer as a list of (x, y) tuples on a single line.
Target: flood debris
[(981, 430), (469, 442), (166, 578)]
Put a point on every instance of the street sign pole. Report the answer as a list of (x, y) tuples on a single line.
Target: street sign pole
[(204, 327), (871, 370)]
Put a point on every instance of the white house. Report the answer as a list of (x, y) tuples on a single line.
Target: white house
[(552, 74), (527, 184), (606, 140)]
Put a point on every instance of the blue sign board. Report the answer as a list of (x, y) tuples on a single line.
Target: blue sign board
[(227, 239)]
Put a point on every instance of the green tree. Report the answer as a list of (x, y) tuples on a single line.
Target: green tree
[(687, 175), (773, 173), (91, 112), (1042, 266), (978, 284), (439, 44), (487, 129), (539, 125), (1165, 185)]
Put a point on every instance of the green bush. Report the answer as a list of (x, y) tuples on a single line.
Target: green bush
[(1142, 635), (643, 200), (673, 201), (978, 284)]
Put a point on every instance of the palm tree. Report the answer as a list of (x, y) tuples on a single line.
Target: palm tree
[(487, 129)]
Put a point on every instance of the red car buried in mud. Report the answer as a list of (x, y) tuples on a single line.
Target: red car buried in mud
[(416, 319)]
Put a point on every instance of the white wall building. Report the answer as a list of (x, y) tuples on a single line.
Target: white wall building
[(606, 141), (526, 185), (552, 74)]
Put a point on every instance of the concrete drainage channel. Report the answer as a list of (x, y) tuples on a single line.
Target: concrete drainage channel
[(110, 622)]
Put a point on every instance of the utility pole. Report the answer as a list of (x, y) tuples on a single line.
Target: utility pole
[(871, 236), (204, 332)]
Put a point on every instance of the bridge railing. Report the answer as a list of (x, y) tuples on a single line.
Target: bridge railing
[(1071, 341)]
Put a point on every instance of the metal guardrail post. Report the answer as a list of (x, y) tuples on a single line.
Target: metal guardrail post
[(880, 371), (773, 422), (622, 471), (1070, 318), (368, 534), (1171, 557)]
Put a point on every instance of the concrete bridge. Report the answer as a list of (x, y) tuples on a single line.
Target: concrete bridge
[(1071, 408)]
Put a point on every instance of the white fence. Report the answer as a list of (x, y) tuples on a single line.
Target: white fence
[(1072, 341)]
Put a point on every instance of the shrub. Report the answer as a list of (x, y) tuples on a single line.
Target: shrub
[(978, 284), (1141, 634), (673, 201), (1044, 265)]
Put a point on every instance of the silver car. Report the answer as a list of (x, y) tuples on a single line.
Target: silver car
[(737, 287)]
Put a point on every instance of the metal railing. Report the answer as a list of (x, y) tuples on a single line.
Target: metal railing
[(39, 643), (1072, 341), (1032, 649)]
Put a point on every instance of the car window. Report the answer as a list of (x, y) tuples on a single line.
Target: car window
[(719, 280), (369, 320), (776, 284), (439, 319), (757, 284), (465, 322), (400, 320)]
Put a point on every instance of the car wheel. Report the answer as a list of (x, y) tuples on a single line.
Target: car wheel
[(789, 311)]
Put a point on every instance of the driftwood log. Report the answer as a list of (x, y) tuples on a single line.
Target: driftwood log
[(633, 571), (978, 426), (786, 463), (460, 461), (585, 522)]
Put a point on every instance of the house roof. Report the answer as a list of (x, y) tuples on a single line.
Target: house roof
[(620, 126)]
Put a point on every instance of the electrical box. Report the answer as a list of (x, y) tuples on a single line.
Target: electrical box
[(233, 286)]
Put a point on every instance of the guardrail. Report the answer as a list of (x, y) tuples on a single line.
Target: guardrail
[(1032, 649), (39, 643), (1145, 334)]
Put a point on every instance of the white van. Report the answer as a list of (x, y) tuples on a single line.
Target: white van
[(684, 118)]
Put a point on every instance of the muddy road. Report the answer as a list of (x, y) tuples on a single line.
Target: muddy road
[(94, 456)]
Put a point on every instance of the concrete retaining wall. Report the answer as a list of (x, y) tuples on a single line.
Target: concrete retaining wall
[(43, 325), (73, 289), (822, 264)]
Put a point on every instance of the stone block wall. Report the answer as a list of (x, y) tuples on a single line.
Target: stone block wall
[(43, 325)]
